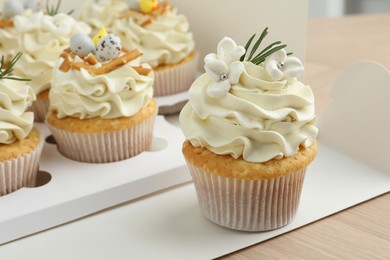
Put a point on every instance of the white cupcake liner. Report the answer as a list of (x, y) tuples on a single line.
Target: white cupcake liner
[(40, 107), (105, 147), (248, 205), (175, 79), (20, 171)]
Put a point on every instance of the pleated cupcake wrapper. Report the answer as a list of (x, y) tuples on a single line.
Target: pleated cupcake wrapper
[(20, 172), (40, 107), (248, 205), (105, 147), (175, 79)]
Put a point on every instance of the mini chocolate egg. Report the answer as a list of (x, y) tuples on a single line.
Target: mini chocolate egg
[(81, 45), (108, 48), (12, 8), (31, 4)]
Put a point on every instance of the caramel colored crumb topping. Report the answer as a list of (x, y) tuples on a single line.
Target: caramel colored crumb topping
[(89, 62)]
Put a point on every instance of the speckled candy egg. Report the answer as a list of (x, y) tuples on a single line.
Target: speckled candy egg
[(108, 48), (81, 45), (12, 8)]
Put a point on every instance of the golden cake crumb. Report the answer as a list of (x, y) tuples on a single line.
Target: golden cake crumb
[(227, 166), (101, 125), (19, 147)]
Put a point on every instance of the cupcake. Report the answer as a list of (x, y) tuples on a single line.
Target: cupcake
[(155, 28), (250, 134), (9, 38), (20, 144), (41, 36), (101, 105)]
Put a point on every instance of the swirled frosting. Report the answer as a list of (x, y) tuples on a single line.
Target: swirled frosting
[(9, 42), (102, 12), (15, 123), (166, 40), (121, 92), (43, 38), (258, 119)]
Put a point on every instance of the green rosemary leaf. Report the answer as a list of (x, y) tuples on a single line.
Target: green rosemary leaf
[(53, 10), (257, 44), (289, 53), (247, 47), (58, 6), (18, 79), (262, 55), (4, 72), (268, 53), (2, 62), (267, 48)]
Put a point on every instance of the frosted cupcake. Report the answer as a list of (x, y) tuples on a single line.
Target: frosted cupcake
[(20, 144), (43, 35), (155, 28), (250, 134), (9, 38), (101, 105)]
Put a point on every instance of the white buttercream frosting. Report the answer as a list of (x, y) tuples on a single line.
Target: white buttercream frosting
[(15, 98), (9, 42), (101, 13), (121, 92), (43, 38), (166, 40), (258, 119)]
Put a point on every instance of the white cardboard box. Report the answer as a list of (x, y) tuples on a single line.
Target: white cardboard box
[(169, 224), (78, 189), (351, 166)]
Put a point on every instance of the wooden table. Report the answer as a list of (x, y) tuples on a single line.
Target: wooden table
[(363, 231)]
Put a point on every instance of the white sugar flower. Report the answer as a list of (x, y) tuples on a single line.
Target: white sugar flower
[(224, 68), (223, 76), (227, 51), (279, 65)]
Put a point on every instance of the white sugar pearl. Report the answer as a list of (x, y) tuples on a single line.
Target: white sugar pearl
[(81, 45), (108, 48), (31, 4), (12, 8)]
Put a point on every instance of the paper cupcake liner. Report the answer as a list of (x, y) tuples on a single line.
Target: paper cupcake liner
[(40, 107), (105, 147), (20, 172), (248, 205), (175, 79)]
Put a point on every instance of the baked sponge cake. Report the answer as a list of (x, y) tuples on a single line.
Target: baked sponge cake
[(20, 143), (250, 135), (101, 105)]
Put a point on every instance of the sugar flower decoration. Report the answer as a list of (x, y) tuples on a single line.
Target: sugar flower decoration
[(224, 68), (279, 65)]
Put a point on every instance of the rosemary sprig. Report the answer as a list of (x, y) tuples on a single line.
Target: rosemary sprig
[(5, 70), (53, 10), (262, 55)]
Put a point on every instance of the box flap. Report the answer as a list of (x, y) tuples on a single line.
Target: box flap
[(357, 121)]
